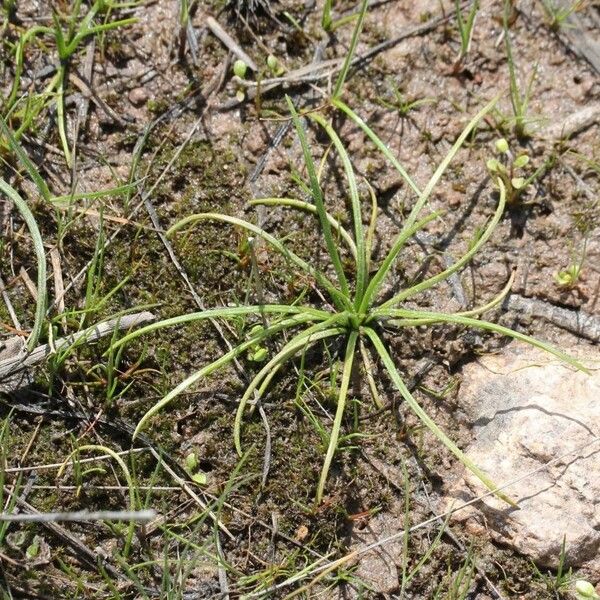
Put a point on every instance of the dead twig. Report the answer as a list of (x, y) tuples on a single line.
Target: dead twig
[(21, 360), (578, 322), (315, 72), (80, 516), (229, 42)]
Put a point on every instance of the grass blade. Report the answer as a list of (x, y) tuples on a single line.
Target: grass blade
[(317, 195), (214, 366), (359, 235), (378, 143), (300, 341), (339, 84), (372, 226), (386, 265), (339, 413), (431, 281), (128, 479), (311, 208), (340, 299), (40, 254), (221, 313), (424, 197), (412, 317), (426, 419), (25, 161)]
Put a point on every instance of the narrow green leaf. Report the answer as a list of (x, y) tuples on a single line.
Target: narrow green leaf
[(388, 261), (378, 143), (340, 299), (38, 246), (426, 419), (339, 84), (339, 413), (359, 234), (431, 281), (214, 366), (317, 195), (303, 313), (264, 376), (311, 208), (433, 317), (25, 160)]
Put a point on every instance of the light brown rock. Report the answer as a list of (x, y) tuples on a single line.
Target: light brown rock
[(138, 96), (528, 409)]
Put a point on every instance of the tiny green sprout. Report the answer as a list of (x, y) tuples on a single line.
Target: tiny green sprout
[(240, 68), (191, 466), (502, 146), (274, 65), (496, 167), (34, 548), (260, 355), (506, 168), (256, 330), (199, 478), (521, 161), (257, 353), (584, 590), (567, 278), (191, 461)]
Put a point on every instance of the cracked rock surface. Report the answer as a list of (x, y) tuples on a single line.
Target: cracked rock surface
[(527, 409)]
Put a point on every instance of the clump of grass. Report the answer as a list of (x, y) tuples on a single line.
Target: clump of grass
[(465, 30), (351, 311), (402, 104), (68, 34), (568, 277), (558, 13), (519, 99)]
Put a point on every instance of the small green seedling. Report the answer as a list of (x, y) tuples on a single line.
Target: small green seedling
[(275, 66), (584, 590), (569, 277), (558, 13), (402, 104), (519, 100), (256, 352), (69, 35), (191, 466), (240, 68), (508, 168), (465, 29), (560, 581)]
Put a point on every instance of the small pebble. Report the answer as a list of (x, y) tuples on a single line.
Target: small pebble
[(138, 96)]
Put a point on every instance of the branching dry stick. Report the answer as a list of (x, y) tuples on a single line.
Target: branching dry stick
[(22, 359), (325, 69)]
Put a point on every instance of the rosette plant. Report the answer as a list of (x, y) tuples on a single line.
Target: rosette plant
[(349, 306)]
